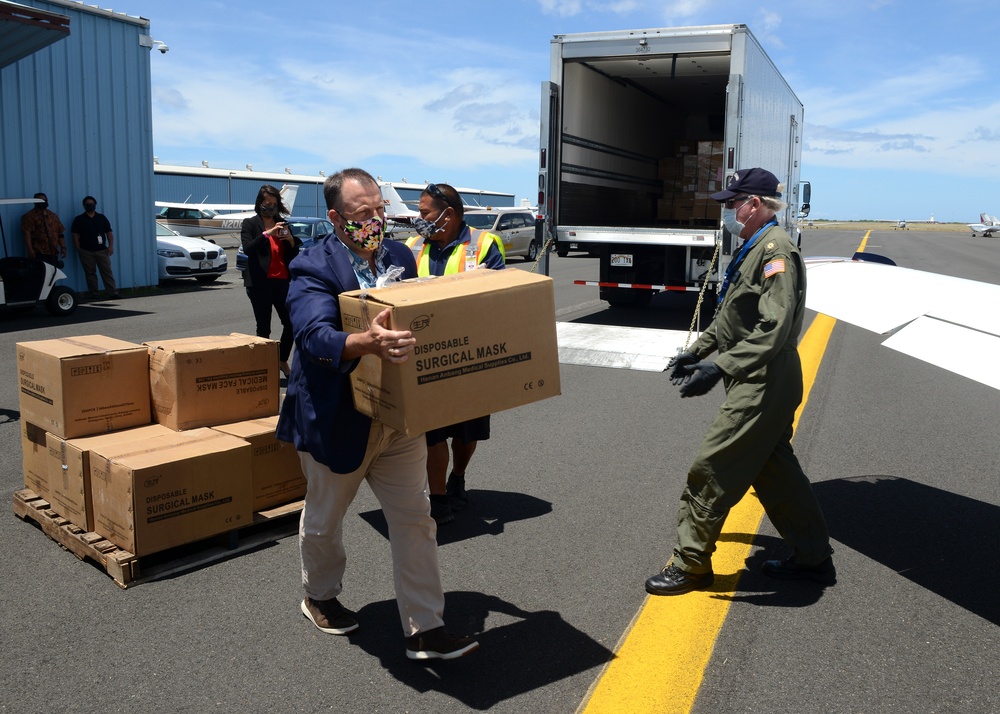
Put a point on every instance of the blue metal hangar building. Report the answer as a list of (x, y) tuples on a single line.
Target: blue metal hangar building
[(203, 184), (76, 112)]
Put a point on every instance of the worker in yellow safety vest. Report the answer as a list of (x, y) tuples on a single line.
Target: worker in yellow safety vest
[(451, 246)]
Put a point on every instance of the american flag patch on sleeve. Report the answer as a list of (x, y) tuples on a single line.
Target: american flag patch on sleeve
[(774, 267)]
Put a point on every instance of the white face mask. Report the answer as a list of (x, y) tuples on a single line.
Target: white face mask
[(730, 222)]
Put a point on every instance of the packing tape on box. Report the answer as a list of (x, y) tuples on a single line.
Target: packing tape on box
[(363, 299), (392, 276)]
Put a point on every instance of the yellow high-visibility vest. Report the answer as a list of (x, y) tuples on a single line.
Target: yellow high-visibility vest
[(459, 261)]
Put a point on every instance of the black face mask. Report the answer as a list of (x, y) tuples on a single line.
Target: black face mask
[(89, 207), (268, 211), (43, 205)]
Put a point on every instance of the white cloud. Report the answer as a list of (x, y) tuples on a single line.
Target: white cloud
[(570, 8), (343, 114), (685, 8), (170, 99), (564, 8), (768, 29), (954, 141), (919, 118)]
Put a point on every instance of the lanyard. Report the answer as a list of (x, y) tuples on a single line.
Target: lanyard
[(731, 270)]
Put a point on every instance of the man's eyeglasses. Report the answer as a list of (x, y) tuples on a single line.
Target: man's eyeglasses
[(736, 200)]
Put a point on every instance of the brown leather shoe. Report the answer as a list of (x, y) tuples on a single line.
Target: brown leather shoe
[(329, 616), (439, 644)]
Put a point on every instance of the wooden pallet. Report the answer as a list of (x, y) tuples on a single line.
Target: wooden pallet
[(124, 567)]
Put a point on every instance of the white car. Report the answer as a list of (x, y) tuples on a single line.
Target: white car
[(182, 257), (515, 226)]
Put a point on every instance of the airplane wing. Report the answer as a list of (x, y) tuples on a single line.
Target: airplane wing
[(923, 315), (15, 201), (926, 312), (208, 206), (288, 193)]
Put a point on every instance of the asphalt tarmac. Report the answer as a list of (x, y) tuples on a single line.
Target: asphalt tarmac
[(572, 506)]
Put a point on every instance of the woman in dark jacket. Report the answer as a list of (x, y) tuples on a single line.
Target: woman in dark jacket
[(269, 247)]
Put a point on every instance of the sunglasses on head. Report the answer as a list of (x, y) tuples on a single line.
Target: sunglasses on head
[(434, 191)]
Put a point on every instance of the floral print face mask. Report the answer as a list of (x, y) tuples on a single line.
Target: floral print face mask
[(368, 234)]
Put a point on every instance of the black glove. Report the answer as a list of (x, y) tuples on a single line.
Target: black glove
[(701, 378), (677, 364)]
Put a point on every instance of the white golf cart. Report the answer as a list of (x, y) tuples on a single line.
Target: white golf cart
[(25, 282)]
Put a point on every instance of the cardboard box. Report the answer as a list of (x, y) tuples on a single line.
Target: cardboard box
[(486, 341), (76, 386), (169, 489), (68, 466), (203, 381), (275, 468), (34, 458)]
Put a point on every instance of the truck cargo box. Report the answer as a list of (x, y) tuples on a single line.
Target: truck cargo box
[(641, 127)]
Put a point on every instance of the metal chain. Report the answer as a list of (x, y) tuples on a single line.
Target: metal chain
[(701, 293), (701, 296), (541, 252)]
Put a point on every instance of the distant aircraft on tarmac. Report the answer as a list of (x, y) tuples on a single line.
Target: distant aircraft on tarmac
[(989, 224), (901, 223), (197, 220)]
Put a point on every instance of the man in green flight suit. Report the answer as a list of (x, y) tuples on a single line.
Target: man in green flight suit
[(756, 329)]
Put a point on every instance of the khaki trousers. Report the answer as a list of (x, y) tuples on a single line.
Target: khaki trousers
[(92, 261), (395, 467)]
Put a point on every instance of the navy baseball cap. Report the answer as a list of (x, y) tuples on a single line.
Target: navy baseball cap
[(750, 182)]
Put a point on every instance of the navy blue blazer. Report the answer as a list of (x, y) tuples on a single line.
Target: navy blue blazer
[(318, 413)]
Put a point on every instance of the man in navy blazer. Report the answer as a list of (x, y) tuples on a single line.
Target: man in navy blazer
[(338, 446)]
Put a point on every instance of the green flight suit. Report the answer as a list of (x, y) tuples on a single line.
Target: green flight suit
[(755, 331)]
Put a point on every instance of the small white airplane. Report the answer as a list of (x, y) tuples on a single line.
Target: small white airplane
[(901, 224), (398, 215), (989, 224), (196, 220)]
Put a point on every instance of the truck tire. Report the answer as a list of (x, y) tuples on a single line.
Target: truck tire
[(61, 301)]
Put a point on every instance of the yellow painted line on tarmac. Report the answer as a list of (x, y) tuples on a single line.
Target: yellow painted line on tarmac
[(864, 242), (661, 659)]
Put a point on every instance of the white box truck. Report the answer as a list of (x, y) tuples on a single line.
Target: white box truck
[(638, 128)]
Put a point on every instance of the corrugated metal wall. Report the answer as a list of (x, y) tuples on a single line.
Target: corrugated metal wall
[(77, 120)]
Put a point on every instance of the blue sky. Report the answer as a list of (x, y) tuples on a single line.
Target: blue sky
[(902, 110)]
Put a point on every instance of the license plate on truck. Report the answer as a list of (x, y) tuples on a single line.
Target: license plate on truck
[(621, 260)]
